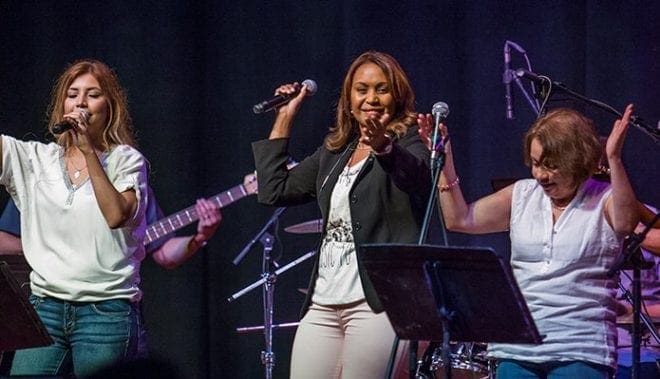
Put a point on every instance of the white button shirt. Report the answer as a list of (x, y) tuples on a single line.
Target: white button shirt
[(561, 269)]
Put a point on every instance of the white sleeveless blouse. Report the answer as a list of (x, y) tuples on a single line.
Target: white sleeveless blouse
[(561, 269)]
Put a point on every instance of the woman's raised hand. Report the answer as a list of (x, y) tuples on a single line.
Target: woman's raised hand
[(291, 108)]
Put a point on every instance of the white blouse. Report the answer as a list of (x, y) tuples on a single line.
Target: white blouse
[(74, 254), (561, 269), (338, 281)]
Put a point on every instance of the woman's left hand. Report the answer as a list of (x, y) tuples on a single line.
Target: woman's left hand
[(618, 135), (209, 218), (373, 134), (425, 123)]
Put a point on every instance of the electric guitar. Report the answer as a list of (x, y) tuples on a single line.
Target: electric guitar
[(187, 216)]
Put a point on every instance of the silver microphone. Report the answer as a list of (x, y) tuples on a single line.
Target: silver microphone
[(440, 111), (274, 102)]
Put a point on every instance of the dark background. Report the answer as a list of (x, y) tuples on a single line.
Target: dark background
[(193, 70)]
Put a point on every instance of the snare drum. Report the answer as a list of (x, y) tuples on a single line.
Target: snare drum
[(468, 361)]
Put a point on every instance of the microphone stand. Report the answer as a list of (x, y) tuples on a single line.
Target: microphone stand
[(509, 76), (529, 99), (436, 164), (278, 212), (269, 276), (550, 85), (632, 253)]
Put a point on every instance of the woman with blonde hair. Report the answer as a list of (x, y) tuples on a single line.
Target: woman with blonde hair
[(82, 202)]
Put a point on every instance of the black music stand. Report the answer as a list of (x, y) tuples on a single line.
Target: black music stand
[(419, 285), (20, 327)]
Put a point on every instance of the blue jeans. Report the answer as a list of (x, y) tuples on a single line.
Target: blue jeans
[(87, 337), (551, 370)]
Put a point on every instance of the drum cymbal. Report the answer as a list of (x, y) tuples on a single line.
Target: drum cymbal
[(313, 226), (627, 320)]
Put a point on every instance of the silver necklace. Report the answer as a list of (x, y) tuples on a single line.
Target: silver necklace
[(559, 208)]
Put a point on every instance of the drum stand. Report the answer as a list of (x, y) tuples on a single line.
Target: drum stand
[(268, 276), (631, 253)]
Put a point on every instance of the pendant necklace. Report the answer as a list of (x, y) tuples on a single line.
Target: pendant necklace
[(76, 174)]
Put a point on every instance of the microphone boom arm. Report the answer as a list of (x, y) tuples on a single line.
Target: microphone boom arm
[(634, 119)]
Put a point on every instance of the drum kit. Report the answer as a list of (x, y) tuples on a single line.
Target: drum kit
[(468, 360)]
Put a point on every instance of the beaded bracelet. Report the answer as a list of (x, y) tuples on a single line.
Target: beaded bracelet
[(447, 187)]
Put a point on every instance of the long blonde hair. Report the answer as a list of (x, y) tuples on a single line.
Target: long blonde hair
[(119, 128), (404, 116)]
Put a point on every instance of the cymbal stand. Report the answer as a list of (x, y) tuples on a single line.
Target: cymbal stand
[(644, 317), (248, 329), (268, 290), (280, 270), (268, 274), (632, 252)]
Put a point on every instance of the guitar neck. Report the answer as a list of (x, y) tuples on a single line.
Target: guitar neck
[(187, 216)]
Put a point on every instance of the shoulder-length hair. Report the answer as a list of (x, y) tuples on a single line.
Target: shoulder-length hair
[(570, 143), (404, 116), (119, 127)]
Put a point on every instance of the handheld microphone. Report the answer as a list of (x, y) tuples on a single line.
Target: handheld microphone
[(270, 104), (440, 111), (68, 123), (507, 77)]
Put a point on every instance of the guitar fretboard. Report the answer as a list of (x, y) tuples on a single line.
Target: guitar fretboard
[(189, 215)]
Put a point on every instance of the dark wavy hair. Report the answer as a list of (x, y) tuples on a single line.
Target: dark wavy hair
[(404, 116)]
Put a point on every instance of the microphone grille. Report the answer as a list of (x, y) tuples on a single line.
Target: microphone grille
[(84, 113), (311, 86), (440, 109)]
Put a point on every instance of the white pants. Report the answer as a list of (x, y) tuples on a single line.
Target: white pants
[(348, 341)]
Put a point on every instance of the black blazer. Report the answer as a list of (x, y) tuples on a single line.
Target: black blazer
[(387, 201)]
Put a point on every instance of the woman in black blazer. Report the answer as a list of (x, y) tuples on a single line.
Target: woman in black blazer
[(371, 179)]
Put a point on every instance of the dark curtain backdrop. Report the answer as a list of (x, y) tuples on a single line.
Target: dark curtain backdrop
[(193, 70)]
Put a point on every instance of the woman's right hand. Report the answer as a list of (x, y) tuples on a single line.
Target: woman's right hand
[(291, 108), (80, 130), (286, 112)]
